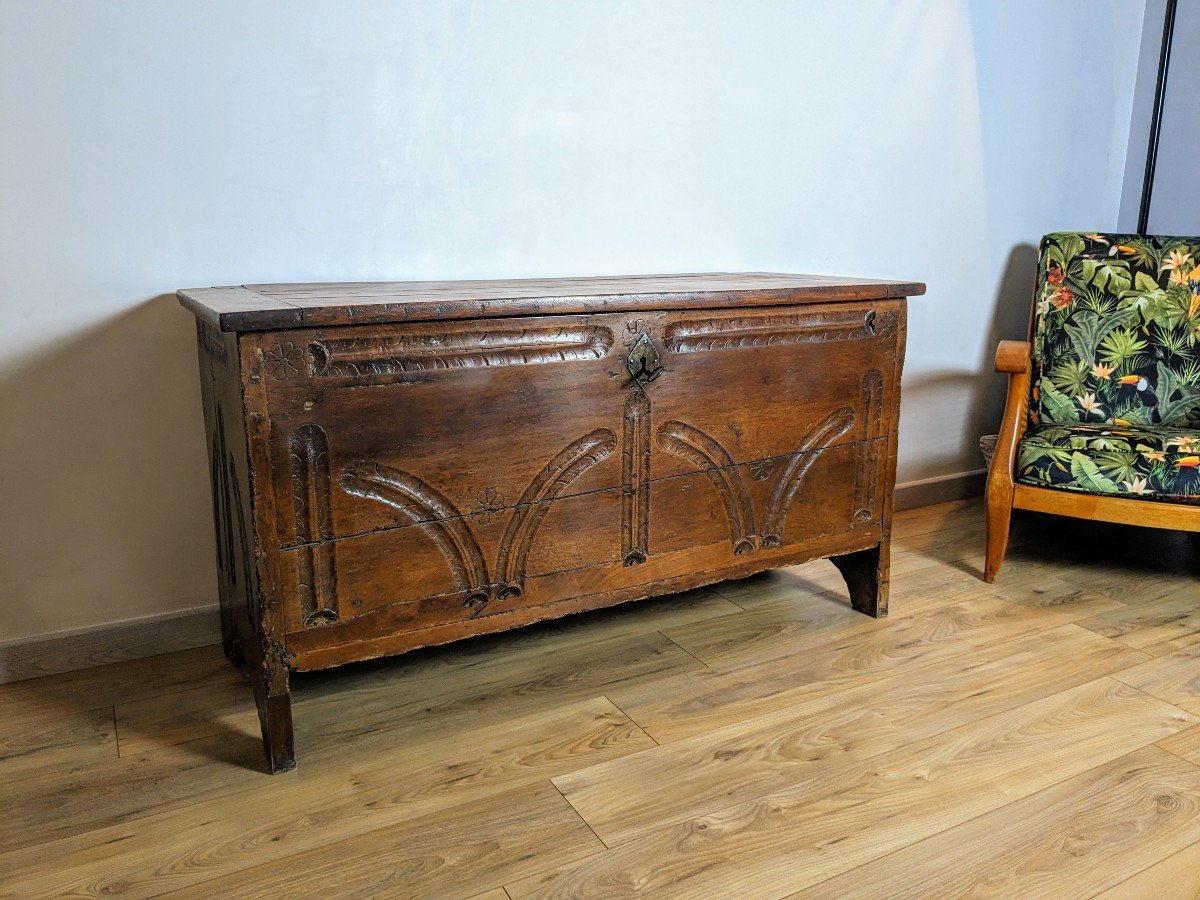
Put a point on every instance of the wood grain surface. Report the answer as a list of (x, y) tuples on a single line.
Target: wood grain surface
[(753, 739), (384, 483), (265, 306)]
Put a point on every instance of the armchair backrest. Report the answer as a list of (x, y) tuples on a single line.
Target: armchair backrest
[(1116, 330)]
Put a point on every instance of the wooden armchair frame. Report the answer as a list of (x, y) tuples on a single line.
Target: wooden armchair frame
[(1003, 495)]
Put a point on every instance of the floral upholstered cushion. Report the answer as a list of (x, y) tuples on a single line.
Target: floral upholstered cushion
[(1117, 331), (1155, 462)]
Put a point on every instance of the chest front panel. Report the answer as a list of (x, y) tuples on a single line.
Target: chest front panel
[(443, 472)]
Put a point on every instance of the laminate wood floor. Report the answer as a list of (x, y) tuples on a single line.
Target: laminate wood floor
[(1038, 737)]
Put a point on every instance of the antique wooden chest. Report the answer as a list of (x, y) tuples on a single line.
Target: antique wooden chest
[(406, 464)]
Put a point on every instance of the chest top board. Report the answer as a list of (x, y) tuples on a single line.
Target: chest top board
[(396, 465)]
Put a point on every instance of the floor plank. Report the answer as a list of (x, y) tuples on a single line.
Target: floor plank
[(627, 797), (681, 706), (73, 739), (820, 827), (803, 746), (1075, 839), (1174, 678), (443, 855), (1170, 617), (311, 808), (1185, 745), (395, 684), (790, 625), (1175, 878), (939, 517), (105, 686)]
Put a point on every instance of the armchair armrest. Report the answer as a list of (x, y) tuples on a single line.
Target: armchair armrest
[(1014, 357)]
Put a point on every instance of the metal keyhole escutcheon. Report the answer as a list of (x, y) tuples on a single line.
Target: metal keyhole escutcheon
[(644, 362)]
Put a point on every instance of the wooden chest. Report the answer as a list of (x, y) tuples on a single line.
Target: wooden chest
[(406, 464)]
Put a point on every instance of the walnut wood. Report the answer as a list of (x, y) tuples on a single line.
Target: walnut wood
[(268, 306), (383, 481), (251, 624)]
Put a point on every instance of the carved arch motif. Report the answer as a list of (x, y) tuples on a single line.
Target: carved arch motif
[(429, 510), (708, 456), (438, 517), (566, 466), (816, 442)]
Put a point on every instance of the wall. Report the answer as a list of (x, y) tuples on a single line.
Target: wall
[(148, 146), (1173, 208)]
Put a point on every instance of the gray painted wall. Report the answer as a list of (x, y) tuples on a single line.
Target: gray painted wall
[(1176, 196)]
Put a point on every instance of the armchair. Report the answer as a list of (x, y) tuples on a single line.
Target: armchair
[(1102, 419)]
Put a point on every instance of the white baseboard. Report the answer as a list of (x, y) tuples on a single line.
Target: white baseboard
[(82, 648)]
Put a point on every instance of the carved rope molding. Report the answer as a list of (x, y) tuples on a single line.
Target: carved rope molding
[(708, 456), (635, 480), (308, 449), (438, 517), (867, 480), (776, 329), (383, 360)]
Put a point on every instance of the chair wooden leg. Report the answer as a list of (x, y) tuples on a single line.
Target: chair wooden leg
[(999, 520)]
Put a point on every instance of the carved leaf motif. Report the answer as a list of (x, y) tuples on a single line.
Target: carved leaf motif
[(761, 470)]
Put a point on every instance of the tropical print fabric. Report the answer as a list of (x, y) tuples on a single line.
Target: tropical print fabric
[(1115, 400), (1117, 330), (1153, 463)]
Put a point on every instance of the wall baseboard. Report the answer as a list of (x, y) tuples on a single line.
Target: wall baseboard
[(942, 489), (82, 648)]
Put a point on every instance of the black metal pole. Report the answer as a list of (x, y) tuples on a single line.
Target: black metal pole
[(1160, 89)]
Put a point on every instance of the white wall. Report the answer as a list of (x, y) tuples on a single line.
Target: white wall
[(146, 146)]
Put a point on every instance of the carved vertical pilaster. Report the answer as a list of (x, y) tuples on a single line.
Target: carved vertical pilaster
[(635, 479), (311, 494), (866, 484)]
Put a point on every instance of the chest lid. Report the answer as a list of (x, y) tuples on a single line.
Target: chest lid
[(261, 307)]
